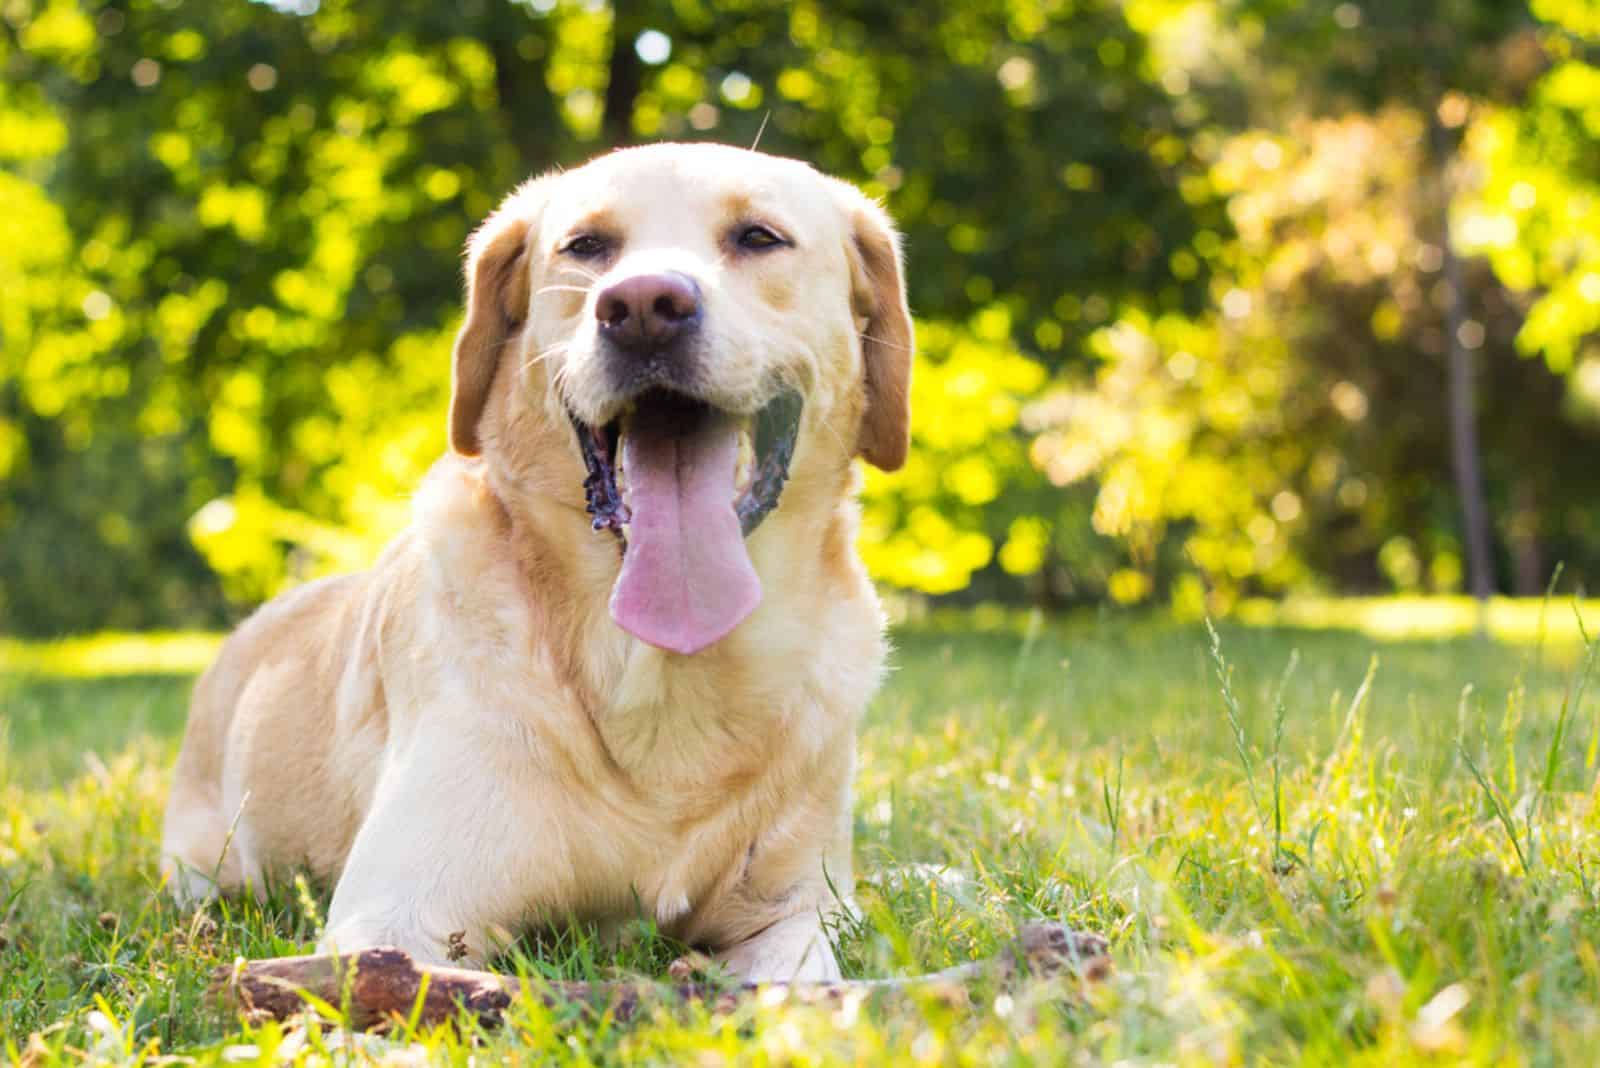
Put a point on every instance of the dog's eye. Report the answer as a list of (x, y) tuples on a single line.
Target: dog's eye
[(758, 238), (585, 246)]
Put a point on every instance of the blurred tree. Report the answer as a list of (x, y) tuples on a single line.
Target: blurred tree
[(1177, 266), (257, 223), (1293, 437), (1344, 256), (1437, 57), (1534, 215), (257, 211)]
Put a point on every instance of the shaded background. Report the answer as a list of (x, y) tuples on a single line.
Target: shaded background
[(1216, 299)]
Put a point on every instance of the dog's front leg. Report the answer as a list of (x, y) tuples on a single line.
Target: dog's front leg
[(794, 949), (446, 859)]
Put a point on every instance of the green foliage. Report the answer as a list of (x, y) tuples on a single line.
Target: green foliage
[(241, 242), (1537, 218), (1294, 436), (932, 524), (1173, 262), (1339, 864)]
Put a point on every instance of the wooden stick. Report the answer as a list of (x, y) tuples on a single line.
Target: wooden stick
[(377, 986)]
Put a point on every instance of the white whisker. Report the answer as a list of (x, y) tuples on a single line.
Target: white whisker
[(558, 380), (885, 343), (848, 449), (544, 354)]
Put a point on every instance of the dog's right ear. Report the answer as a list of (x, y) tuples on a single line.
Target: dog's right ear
[(497, 306), (879, 295)]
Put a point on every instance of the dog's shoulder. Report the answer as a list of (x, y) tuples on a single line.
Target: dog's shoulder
[(456, 516), (452, 586)]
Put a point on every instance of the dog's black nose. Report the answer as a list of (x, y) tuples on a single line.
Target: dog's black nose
[(648, 311)]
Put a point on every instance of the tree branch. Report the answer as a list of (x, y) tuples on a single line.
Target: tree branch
[(379, 985), (626, 73)]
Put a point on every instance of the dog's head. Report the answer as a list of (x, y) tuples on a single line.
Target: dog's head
[(701, 317)]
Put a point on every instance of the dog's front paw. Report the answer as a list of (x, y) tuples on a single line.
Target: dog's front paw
[(452, 948), (794, 950)]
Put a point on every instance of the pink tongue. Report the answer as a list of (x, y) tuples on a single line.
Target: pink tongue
[(686, 579)]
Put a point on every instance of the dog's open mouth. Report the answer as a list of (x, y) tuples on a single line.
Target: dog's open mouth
[(682, 484)]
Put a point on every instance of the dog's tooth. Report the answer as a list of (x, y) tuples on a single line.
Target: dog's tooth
[(747, 460)]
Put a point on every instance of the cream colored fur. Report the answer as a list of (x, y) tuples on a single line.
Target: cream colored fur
[(461, 738)]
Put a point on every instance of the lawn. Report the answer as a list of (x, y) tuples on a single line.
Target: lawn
[(1355, 849)]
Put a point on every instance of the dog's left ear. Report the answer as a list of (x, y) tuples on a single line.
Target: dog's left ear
[(497, 306), (878, 292)]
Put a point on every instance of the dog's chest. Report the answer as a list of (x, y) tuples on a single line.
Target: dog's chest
[(670, 724), (663, 847), (694, 780)]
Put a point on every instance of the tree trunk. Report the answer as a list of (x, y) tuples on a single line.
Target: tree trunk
[(527, 109), (1463, 387), (626, 71)]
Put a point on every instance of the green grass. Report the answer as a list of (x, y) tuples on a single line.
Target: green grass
[(1290, 867)]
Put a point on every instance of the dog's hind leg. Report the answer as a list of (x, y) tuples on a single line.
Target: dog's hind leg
[(199, 858)]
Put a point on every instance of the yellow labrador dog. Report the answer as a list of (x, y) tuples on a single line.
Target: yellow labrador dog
[(616, 662)]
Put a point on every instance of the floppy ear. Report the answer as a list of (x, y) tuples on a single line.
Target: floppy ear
[(879, 295), (497, 304)]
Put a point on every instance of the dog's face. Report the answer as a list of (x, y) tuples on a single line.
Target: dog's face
[(701, 317)]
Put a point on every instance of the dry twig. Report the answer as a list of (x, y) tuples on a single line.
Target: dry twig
[(378, 985)]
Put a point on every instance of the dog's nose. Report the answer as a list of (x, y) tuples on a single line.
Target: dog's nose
[(648, 311)]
